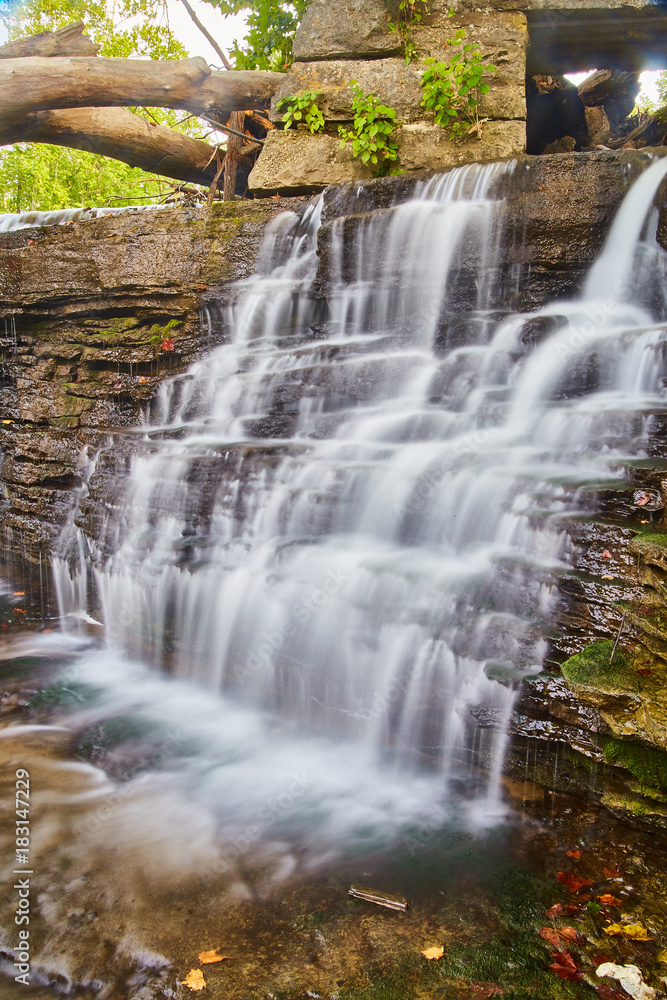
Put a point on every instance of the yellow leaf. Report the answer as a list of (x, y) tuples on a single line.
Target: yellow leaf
[(635, 931), (194, 980), (206, 957), (434, 952)]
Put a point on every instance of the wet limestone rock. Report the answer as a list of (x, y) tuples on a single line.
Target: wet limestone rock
[(295, 162), (347, 29)]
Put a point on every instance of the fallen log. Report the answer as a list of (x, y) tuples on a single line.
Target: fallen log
[(613, 90), (117, 133), (650, 132), (67, 41), (43, 84)]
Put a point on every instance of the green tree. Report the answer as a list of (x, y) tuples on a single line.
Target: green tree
[(270, 35), (34, 176)]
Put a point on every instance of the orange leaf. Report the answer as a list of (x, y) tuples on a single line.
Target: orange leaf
[(572, 881), (194, 980), (167, 345), (435, 952), (551, 936), (207, 957), (609, 900), (574, 854), (554, 911), (569, 934), (19, 611), (611, 873), (607, 554), (19, 593)]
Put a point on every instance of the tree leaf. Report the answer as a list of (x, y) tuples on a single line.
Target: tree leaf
[(610, 900), (554, 911), (635, 931), (551, 936), (572, 881), (433, 953), (194, 980), (208, 957)]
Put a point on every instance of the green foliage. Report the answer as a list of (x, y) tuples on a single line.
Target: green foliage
[(410, 13), (371, 131), (452, 89), (34, 176), (303, 107), (271, 28)]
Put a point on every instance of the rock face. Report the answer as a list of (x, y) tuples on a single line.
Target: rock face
[(351, 29), (89, 312), (503, 39)]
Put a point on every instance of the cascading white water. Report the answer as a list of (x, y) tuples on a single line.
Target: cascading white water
[(12, 221), (344, 525)]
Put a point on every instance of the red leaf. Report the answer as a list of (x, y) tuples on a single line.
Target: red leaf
[(606, 554), (572, 908), (572, 881), (551, 936), (167, 345), (563, 965), (606, 993), (574, 854), (554, 911), (586, 898), (601, 959), (31, 243), (642, 499), (643, 672), (610, 873)]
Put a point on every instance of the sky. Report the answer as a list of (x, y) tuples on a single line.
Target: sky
[(223, 29)]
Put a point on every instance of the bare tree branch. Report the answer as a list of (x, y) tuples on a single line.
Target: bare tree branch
[(207, 35), (66, 41)]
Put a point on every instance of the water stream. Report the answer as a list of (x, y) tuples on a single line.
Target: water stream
[(334, 548)]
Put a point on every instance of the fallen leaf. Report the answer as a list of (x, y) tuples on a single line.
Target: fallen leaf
[(483, 991), (606, 554), (630, 978), (435, 952), (643, 672), (207, 957), (611, 873), (585, 898), (563, 965), (31, 243), (167, 345), (551, 936), (606, 993), (607, 576), (143, 380), (634, 931), (570, 934), (601, 959), (8, 421), (641, 499), (572, 908), (574, 854), (202, 288), (554, 911), (194, 980), (572, 881), (19, 593), (19, 611), (609, 900)]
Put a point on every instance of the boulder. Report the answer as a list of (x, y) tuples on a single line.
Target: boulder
[(347, 29), (424, 146), (599, 131), (296, 162)]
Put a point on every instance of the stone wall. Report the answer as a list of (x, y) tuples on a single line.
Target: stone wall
[(85, 310), (341, 42)]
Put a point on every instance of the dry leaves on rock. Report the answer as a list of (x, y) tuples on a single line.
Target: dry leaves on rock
[(609, 900), (552, 937), (554, 911), (607, 993), (167, 345), (611, 873), (435, 952), (572, 881), (564, 966), (207, 957), (630, 978), (574, 854), (194, 980), (635, 931)]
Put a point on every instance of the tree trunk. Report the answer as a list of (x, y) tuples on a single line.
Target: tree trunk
[(613, 90), (234, 144), (43, 84), (67, 41), (119, 134)]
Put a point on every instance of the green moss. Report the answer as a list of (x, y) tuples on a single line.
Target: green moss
[(647, 765), (593, 666)]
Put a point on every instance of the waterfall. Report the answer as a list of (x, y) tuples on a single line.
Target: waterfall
[(338, 537)]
